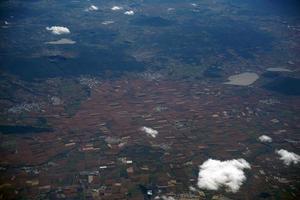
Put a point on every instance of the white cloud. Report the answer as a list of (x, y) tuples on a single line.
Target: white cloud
[(58, 30), (151, 132), (129, 12), (288, 157), (265, 138), (192, 189), (114, 8), (215, 174), (92, 8)]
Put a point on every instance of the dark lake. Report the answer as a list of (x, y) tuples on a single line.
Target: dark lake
[(285, 85), (6, 129)]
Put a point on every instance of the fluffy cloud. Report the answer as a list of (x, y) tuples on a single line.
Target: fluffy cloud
[(265, 138), (129, 12), (92, 8), (114, 8), (151, 132), (58, 30), (215, 174), (288, 157)]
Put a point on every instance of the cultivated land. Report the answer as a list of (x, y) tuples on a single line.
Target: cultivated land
[(101, 151), (74, 107)]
